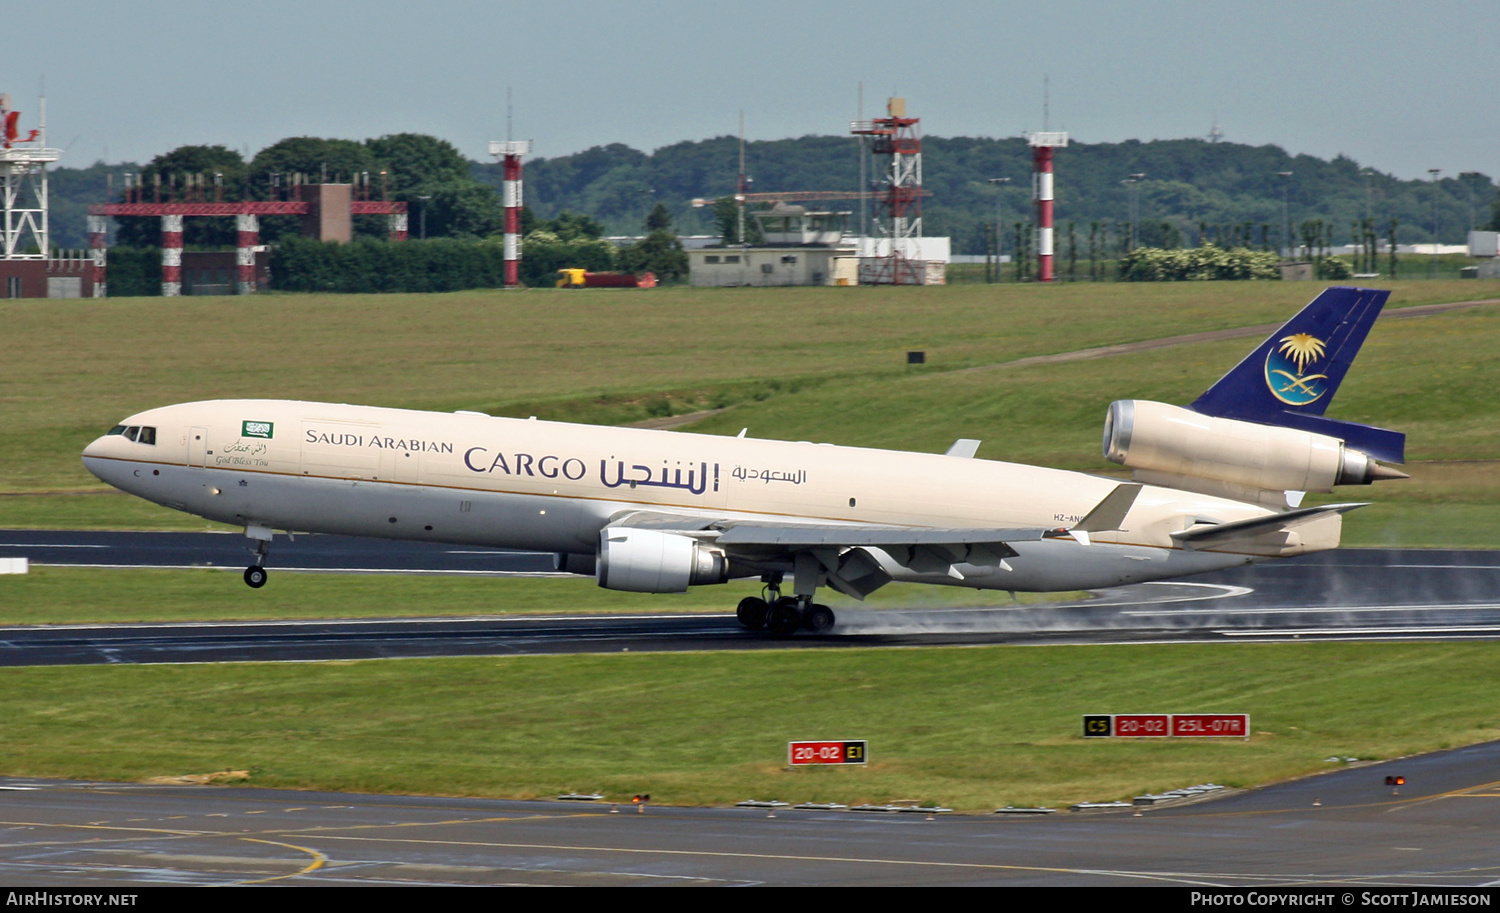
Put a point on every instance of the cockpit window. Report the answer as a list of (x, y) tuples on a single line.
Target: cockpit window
[(141, 434)]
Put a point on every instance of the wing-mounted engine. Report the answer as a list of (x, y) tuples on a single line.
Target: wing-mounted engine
[(1180, 448), (650, 561)]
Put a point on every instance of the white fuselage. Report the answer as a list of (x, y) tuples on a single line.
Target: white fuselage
[(548, 486)]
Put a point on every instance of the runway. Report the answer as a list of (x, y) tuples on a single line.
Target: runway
[(1362, 594)]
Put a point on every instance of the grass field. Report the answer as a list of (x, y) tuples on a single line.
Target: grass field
[(968, 728), (972, 729)]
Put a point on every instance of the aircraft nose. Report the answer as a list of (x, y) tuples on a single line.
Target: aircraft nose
[(92, 455)]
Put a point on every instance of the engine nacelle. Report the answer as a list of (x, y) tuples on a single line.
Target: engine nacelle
[(1158, 438), (648, 561)]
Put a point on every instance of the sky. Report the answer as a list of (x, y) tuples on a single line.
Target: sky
[(1399, 87)]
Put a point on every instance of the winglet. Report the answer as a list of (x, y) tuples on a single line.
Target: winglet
[(1108, 514)]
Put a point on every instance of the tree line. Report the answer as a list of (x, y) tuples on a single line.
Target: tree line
[(1188, 186)]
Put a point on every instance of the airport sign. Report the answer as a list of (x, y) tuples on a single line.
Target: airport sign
[(800, 754), (1166, 725)]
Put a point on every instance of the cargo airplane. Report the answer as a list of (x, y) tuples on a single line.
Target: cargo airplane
[(1215, 485)]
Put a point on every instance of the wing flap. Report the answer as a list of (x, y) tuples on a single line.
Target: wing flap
[(801, 537)]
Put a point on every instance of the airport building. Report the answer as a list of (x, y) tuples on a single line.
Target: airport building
[(799, 247), (807, 247)]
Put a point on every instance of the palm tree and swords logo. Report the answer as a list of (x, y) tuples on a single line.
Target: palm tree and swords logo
[(1286, 369)]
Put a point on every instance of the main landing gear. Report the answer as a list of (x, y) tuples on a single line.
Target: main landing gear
[(783, 615), (255, 574)]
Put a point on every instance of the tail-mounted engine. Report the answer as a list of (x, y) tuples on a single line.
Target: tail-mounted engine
[(1164, 443), (648, 561)]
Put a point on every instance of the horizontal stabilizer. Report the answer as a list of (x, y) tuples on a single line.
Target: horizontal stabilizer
[(1212, 534)]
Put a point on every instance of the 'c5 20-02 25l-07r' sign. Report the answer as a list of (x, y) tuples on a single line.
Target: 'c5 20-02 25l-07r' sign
[(1166, 725)]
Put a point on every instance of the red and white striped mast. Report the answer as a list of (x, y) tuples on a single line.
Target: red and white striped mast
[(171, 255), (510, 151), (1042, 145)]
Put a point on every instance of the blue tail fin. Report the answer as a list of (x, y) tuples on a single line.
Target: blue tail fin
[(1291, 378)]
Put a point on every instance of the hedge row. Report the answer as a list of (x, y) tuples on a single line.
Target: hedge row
[(133, 272), (1153, 264), (440, 265)]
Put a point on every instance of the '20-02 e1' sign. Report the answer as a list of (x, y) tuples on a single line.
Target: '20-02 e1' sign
[(1166, 725), (802, 753)]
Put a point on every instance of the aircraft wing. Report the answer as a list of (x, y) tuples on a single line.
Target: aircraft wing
[(838, 553), (732, 534)]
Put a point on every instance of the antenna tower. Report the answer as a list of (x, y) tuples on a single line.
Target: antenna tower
[(898, 216), (23, 185)]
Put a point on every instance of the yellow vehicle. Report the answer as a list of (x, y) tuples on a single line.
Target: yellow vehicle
[(580, 278)]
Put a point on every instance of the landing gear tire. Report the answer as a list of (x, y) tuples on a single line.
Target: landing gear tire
[(784, 618), (255, 577), (818, 619), (752, 613)]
